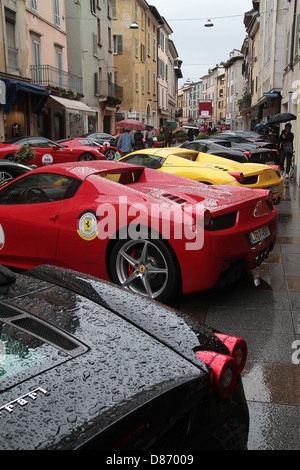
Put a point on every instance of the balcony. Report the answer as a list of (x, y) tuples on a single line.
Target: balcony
[(48, 76), (110, 90)]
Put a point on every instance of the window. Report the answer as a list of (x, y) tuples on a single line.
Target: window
[(136, 82), (143, 56), (40, 188), (154, 49), (287, 48), (59, 63), (93, 6), (33, 5), (114, 8), (154, 83), (12, 50), (56, 13), (95, 44), (109, 39), (149, 44), (118, 44), (148, 81), (99, 30), (36, 53)]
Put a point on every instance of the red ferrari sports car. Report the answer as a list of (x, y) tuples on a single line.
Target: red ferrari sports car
[(151, 232), (79, 142), (48, 152)]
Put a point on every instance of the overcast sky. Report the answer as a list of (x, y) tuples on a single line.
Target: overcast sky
[(198, 47)]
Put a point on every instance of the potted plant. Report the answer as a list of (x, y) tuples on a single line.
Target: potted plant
[(24, 154)]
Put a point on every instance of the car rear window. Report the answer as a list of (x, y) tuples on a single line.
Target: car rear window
[(123, 177)]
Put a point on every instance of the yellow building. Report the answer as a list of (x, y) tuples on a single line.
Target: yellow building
[(135, 59)]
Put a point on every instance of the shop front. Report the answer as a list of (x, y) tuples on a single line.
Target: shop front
[(21, 104)]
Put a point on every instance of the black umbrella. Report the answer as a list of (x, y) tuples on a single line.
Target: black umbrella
[(281, 117)]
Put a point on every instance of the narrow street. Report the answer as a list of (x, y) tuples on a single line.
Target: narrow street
[(267, 317)]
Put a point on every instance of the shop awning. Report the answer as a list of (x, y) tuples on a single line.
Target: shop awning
[(12, 88), (74, 105)]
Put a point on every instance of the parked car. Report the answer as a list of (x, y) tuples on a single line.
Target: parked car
[(88, 144), (137, 227), (11, 170), (101, 138), (47, 151), (241, 141), (242, 153), (87, 365), (213, 148), (210, 169)]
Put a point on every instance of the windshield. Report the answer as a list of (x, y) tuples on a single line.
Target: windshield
[(149, 161)]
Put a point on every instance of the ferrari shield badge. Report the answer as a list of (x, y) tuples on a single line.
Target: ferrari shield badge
[(87, 224), (2, 237)]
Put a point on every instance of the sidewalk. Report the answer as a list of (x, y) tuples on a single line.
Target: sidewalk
[(268, 317)]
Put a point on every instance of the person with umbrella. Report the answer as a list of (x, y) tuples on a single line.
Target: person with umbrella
[(125, 142), (285, 146)]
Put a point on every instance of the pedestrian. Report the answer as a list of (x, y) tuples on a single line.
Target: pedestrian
[(285, 146), (150, 136), (125, 142), (138, 141), (191, 134), (168, 135)]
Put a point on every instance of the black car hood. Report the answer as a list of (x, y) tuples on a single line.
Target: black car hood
[(85, 355)]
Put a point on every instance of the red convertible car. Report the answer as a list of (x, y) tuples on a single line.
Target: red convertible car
[(48, 152), (151, 232)]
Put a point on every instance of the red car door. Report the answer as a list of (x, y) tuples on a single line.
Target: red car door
[(30, 217), (47, 152), (29, 234)]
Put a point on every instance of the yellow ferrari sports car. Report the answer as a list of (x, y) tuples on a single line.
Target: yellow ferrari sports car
[(210, 169)]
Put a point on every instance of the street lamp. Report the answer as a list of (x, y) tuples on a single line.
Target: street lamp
[(134, 25), (208, 24)]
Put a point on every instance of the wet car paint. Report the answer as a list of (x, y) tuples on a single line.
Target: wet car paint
[(69, 403)]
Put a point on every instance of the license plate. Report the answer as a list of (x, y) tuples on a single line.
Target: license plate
[(274, 189), (259, 235)]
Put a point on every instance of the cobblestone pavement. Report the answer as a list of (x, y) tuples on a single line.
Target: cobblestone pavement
[(268, 317)]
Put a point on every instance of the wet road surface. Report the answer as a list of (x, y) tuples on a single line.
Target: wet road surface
[(267, 316)]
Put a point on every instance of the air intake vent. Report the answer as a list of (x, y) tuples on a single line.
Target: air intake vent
[(44, 332), (41, 330), (8, 312), (175, 198)]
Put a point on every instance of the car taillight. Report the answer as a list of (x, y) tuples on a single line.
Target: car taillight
[(237, 175), (277, 168), (270, 195), (237, 348), (224, 371), (248, 154), (205, 219)]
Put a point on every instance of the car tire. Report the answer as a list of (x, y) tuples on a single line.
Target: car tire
[(110, 154), (6, 176), (146, 267), (11, 157), (86, 157)]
